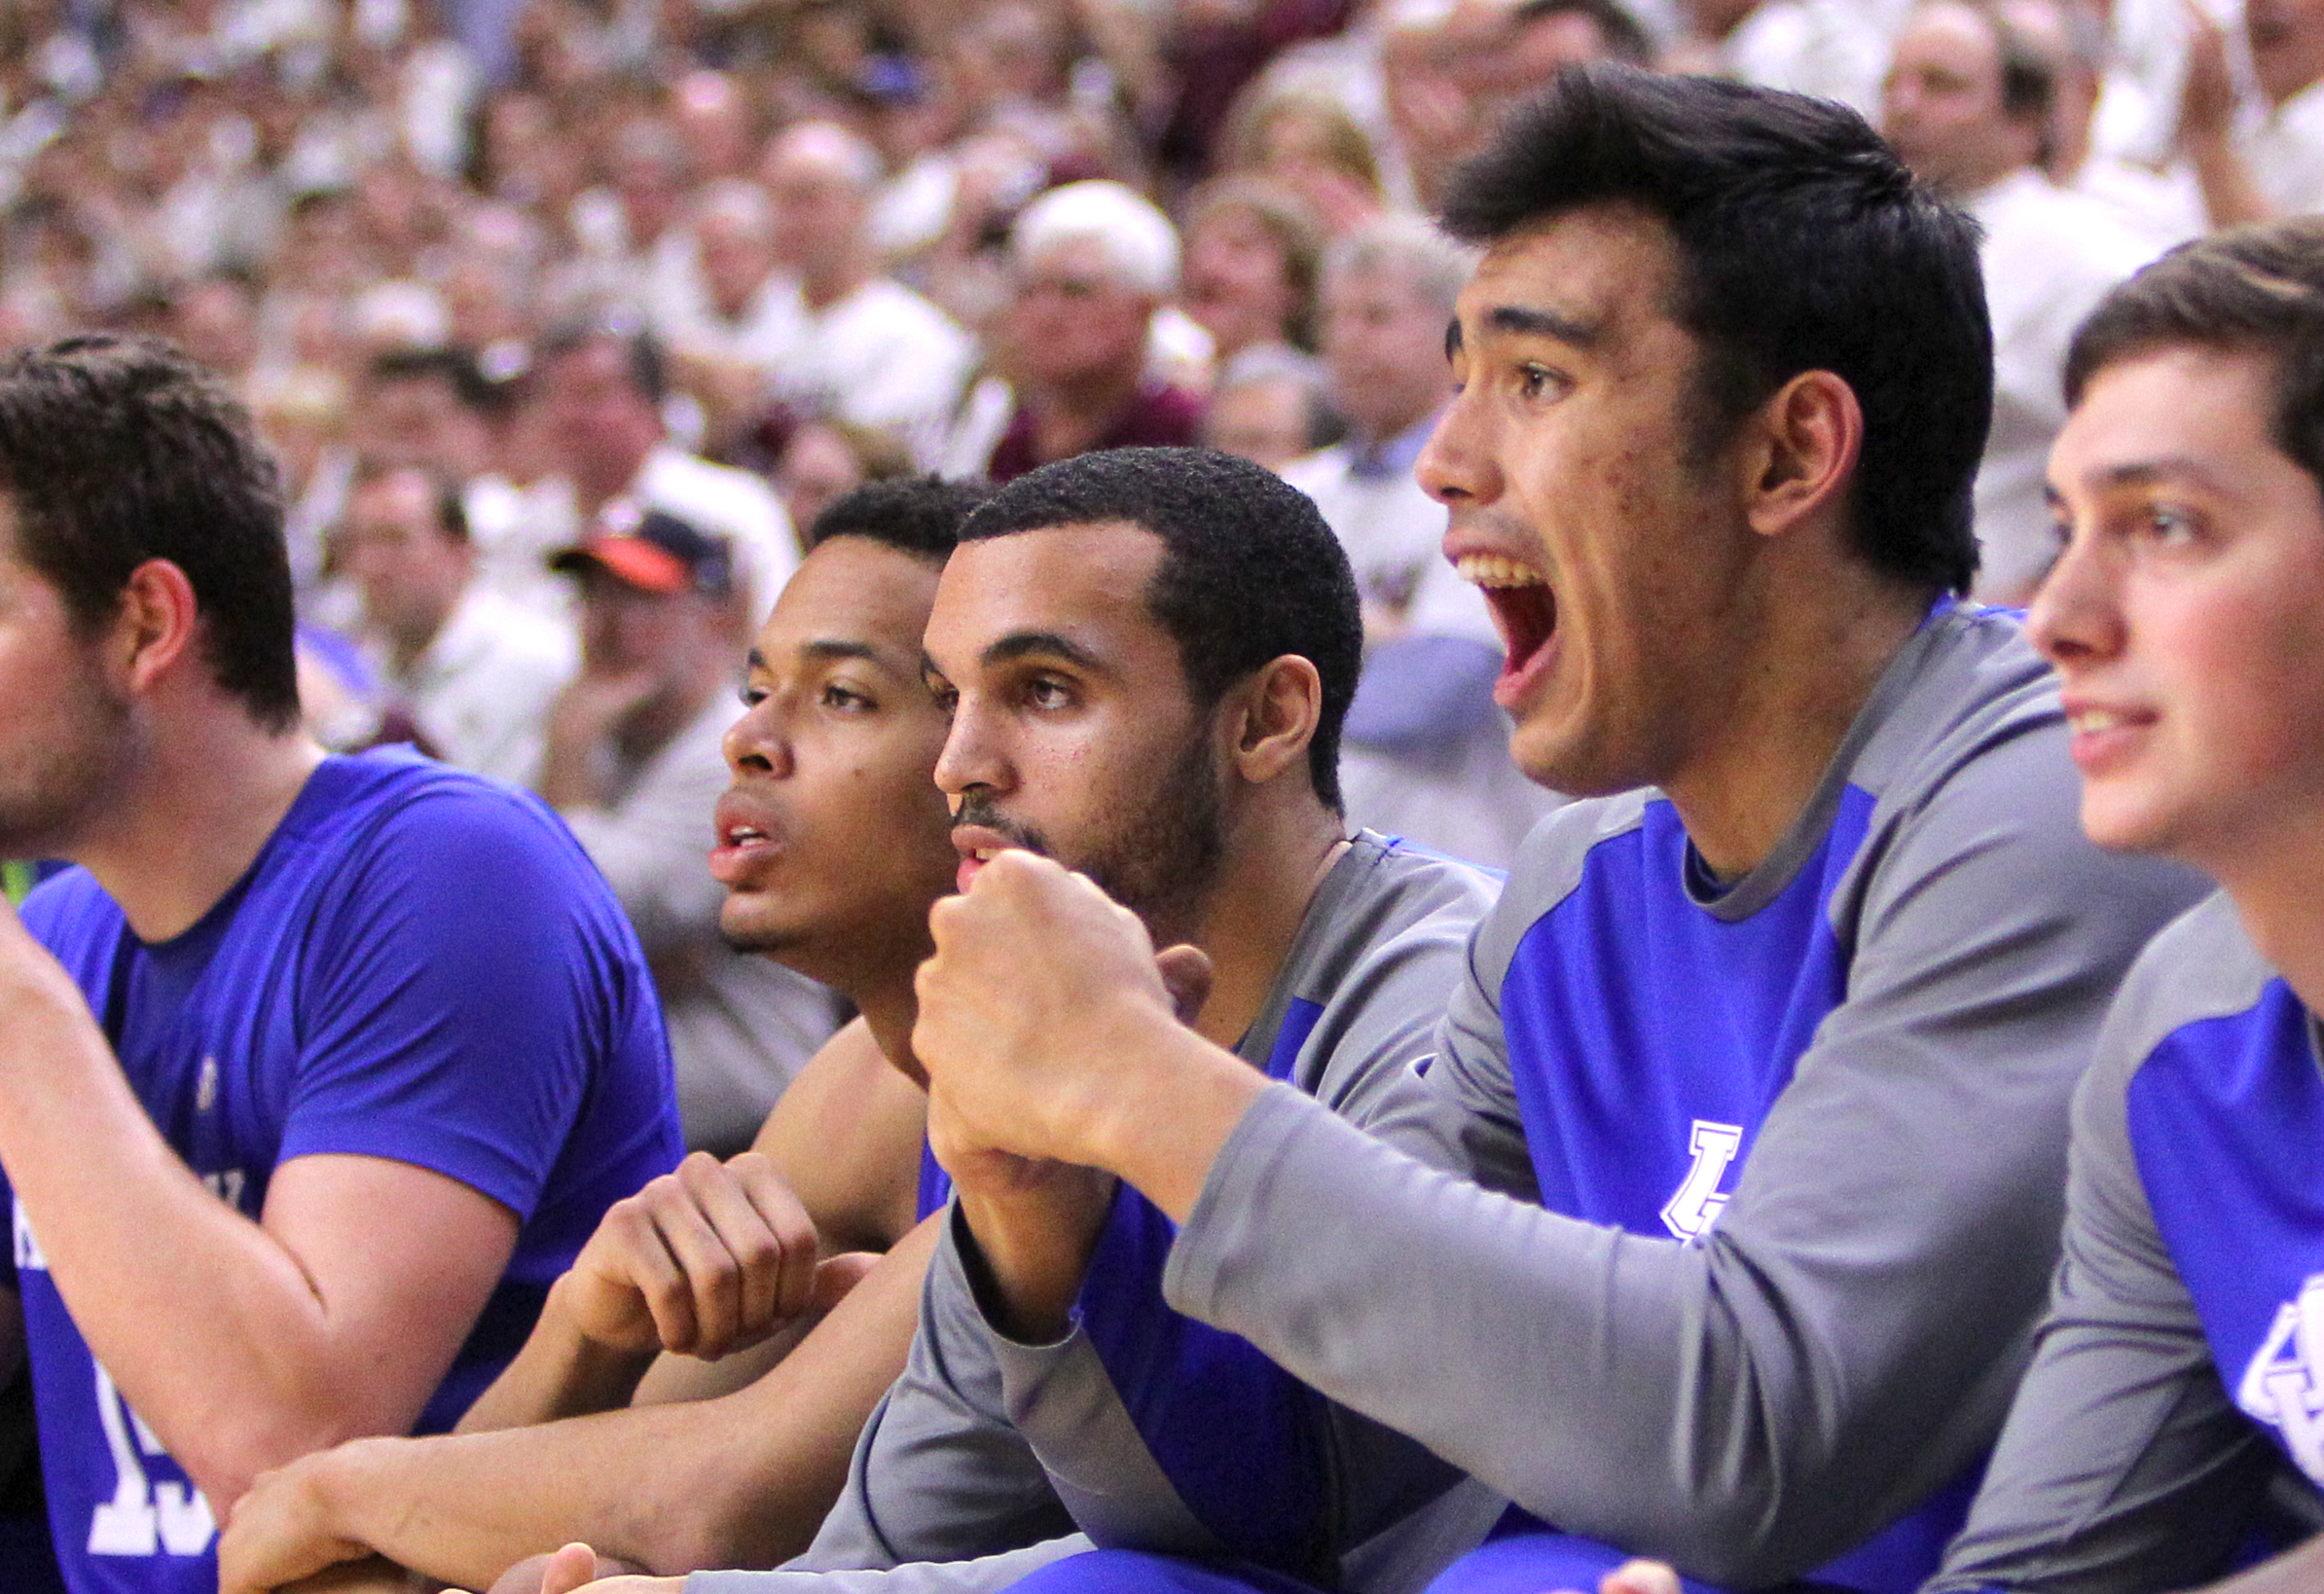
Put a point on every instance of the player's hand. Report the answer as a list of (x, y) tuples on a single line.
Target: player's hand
[(578, 1567), (1638, 1577), (280, 1530), (1039, 986), (702, 1261)]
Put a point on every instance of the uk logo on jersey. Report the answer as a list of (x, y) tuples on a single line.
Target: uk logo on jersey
[(2283, 1384), (1699, 1201)]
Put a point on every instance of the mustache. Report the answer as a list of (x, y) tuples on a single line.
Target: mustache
[(977, 809)]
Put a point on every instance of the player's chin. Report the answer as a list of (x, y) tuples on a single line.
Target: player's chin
[(746, 924)]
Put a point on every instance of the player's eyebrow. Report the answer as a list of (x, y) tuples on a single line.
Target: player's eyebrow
[(1024, 645), (1531, 321), (834, 648), (2175, 467)]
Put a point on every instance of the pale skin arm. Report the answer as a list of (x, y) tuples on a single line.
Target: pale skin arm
[(742, 1480), (242, 1344)]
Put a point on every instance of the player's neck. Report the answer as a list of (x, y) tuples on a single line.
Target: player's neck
[(1277, 853), (2276, 886), (1801, 672), (890, 1009), (196, 806)]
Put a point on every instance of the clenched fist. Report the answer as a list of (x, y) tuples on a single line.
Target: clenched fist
[(704, 1260), (1038, 983)]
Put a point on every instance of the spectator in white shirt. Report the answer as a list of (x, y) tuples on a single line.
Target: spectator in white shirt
[(2255, 172), (830, 334), (601, 386), (1968, 105), (473, 672)]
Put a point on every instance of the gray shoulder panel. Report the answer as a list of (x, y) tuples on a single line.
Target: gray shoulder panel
[(1547, 868)]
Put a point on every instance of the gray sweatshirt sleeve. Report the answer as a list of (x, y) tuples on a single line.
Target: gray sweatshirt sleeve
[(1844, 1341), (1161, 1436), (2123, 1466), (938, 1473)]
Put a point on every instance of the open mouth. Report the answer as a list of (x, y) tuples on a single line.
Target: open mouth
[(1524, 606), (739, 848)]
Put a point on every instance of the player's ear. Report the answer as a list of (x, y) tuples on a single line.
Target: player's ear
[(1800, 450), (155, 626), (1274, 715)]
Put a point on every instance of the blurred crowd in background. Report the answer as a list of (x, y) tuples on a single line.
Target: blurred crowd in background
[(517, 288)]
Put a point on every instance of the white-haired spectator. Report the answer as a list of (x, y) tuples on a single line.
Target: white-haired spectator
[(829, 333), (399, 314), (1425, 748), (714, 119), (1091, 265)]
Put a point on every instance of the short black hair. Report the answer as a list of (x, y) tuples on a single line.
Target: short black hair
[(2256, 289), (455, 368), (918, 515), (443, 488), (115, 450), (1803, 245), (1624, 38), (1249, 573)]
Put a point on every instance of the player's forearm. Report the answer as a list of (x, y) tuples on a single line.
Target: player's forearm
[(209, 1325), (463, 1508), (560, 1372), (1030, 1252), (1625, 1388), (1166, 1119)]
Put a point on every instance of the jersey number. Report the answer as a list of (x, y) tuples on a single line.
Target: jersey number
[(1691, 1211), (143, 1516)]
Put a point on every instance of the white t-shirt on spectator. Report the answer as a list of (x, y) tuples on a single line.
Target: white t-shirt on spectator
[(881, 356), (2050, 255)]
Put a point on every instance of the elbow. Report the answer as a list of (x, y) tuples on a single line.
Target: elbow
[(232, 1451)]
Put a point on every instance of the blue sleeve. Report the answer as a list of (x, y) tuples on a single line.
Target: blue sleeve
[(452, 1012)]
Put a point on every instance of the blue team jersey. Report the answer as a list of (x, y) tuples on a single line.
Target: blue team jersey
[(2225, 1116), (1748, 986), (420, 965)]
